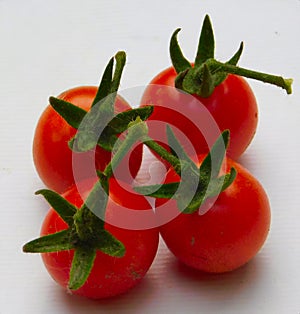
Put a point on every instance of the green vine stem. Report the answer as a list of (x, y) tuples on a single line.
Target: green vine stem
[(137, 130)]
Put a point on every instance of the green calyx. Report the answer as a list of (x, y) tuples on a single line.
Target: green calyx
[(85, 234), (207, 73), (100, 126), (197, 184), (86, 228)]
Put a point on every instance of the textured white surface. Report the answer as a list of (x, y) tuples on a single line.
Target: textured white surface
[(49, 47)]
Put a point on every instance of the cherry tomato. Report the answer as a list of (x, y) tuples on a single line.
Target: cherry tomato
[(231, 106), (110, 276), (53, 158), (221, 236)]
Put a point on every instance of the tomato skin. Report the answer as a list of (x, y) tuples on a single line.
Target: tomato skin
[(53, 158), (226, 236), (232, 105), (110, 276)]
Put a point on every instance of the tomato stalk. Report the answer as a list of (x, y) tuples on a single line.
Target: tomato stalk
[(137, 130), (203, 77), (207, 73)]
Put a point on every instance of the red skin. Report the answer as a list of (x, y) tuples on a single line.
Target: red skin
[(52, 156), (228, 235), (232, 106), (110, 276)]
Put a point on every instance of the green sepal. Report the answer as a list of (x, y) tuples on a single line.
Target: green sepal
[(178, 82), (56, 242), (219, 76), (120, 58), (82, 265), (229, 178), (110, 81), (206, 45), (72, 114), (194, 202), (110, 245), (104, 181), (90, 218), (205, 190), (166, 190), (107, 139), (208, 83), (210, 184), (180, 63), (119, 123), (65, 209), (97, 199), (221, 183), (236, 57), (211, 165), (93, 125), (178, 150), (104, 88)]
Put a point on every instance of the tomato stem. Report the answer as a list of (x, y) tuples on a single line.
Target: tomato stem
[(163, 153), (279, 81), (137, 129)]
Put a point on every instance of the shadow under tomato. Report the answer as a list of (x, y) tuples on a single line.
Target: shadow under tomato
[(131, 301), (218, 288)]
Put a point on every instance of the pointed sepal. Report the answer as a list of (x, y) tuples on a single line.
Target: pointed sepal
[(72, 114), (178, 150), (65, 209), (180, 63), (81, 268), (166, 190), (119, 124), (206, 45), (110, 245), (56, 242), (211, 165)]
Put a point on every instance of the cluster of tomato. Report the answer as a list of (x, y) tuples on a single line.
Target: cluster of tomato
[(101, 235)]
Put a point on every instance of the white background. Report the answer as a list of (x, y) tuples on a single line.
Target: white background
[(48, 47)]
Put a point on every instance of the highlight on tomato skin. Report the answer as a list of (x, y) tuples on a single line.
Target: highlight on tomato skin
[(228, 235), (53, 159), (110, 276)]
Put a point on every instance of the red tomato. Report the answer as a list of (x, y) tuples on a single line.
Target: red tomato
[(51, 154), (231, 106), (110, 276), (228, 234)]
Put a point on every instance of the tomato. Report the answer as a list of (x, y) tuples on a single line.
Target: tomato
[(221, 236), (53, 158), (110, 276), (231, 106)]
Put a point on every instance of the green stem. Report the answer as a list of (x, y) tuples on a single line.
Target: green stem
[(163, 153), (136, 131), (176, 163), (279, 81)]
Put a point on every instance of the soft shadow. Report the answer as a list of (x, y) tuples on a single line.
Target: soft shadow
[(219, 287), (130, 302)]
